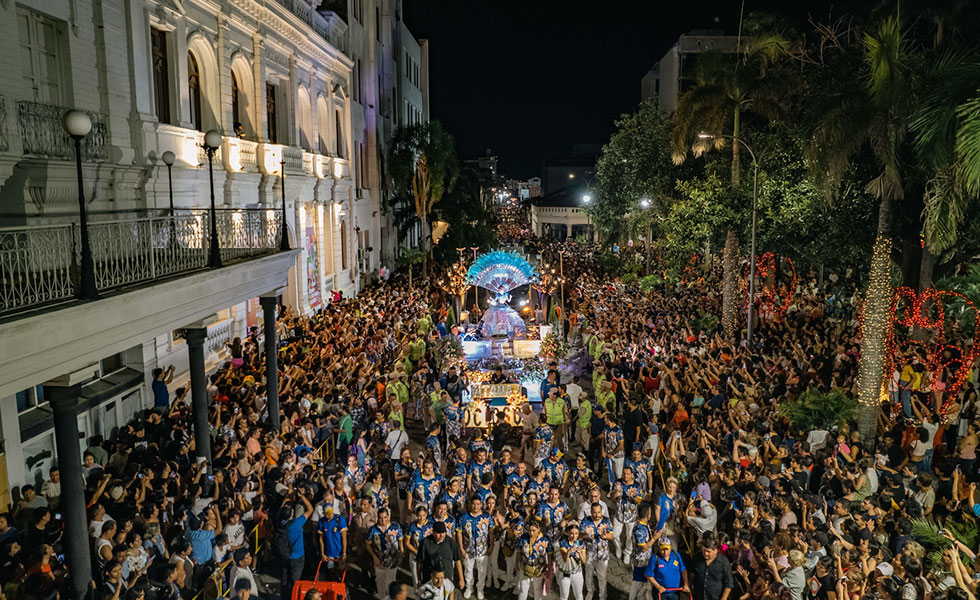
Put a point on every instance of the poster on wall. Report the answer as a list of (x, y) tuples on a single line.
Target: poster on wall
[(312, 261), (252, 317)]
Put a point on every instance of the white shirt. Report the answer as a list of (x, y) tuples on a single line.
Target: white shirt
[(236, 533), (573, 390), (817, 439), (396, 440), (585, 509), (652, 444), (240, 573), (431, 592)]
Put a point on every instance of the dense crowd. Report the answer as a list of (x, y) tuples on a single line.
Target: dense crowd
[(664, 468)]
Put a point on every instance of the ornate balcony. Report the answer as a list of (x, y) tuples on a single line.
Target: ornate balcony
[(40, 265), (44, 136)]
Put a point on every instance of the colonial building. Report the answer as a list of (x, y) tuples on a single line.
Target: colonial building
[(186, 245), (561, 215)]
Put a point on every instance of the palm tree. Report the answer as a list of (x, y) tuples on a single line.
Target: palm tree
[(423, 166), (758, 83), (947, 142), (869, 115)]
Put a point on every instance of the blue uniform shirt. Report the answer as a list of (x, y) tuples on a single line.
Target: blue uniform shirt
[(666, 571), (331, 532)]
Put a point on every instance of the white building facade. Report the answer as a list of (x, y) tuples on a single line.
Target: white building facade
[(294, 93)]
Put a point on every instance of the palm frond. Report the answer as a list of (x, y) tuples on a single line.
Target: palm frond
[(968, 142), (945, 209)]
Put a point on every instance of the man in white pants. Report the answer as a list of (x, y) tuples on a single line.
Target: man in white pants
[(475, 543), (568, 562), (596, 532), (628, 494), (612, 448), (386, 544)]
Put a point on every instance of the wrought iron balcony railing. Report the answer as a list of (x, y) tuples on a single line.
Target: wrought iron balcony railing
[(45, 137), (40, 265)]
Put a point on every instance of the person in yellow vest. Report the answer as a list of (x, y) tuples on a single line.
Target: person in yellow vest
[(606, 398), (554, 410), (401, 392), (598, 377), (583, 421)]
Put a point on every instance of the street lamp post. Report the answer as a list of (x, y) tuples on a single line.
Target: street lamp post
[(283, 234), (645, 203), (78, 125), (755, 206), (561, 282), (588, 218), (212, 141), (168, 159)]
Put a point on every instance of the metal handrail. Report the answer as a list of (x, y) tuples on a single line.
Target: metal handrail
[(40, 264)]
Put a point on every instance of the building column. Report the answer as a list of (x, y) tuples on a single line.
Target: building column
[(64, 397), (269, 303), (195, 337)]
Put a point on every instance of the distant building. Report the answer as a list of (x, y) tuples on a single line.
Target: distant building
[(534, 187), (559, 172), (670, 77), (560, 215), (486, 168)]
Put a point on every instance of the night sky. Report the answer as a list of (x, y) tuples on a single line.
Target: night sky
[(529, 78)]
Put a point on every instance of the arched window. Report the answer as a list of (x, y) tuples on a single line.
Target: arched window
[(341, 147), (323, 126), (196, 116), (236, 110), (242, 97), (343, 245), (304, 117)]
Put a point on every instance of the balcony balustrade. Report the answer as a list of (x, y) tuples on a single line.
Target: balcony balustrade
[(44, 136), (40, 265)]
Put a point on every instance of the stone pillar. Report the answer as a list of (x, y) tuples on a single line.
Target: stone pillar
[(271, 358), (199, 392), (64, 397)]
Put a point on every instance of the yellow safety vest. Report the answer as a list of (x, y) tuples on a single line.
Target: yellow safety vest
[(555, 411)]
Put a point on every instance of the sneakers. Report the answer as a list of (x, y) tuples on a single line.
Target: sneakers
[(479, 595)]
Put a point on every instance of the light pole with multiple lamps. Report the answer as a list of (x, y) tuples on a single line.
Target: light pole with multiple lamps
[(212, 141), (78, 124), (755, 206)]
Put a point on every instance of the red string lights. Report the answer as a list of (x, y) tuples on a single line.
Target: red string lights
[(774, 295), (947, 356)]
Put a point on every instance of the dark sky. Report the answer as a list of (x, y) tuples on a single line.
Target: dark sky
[(529, 78)]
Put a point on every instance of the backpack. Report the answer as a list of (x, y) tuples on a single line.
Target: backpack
[(281, 546)]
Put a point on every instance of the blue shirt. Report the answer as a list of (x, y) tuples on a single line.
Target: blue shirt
[(294, 531), (332, 538), (666, 571), (161, 395), (202, 544), (666, 505)]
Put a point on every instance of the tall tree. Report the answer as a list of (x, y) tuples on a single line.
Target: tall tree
[(424, 166), (757, 82), (869, 115), (635, 165)]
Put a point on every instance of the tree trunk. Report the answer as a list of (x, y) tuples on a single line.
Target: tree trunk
[(926, 265), (729, 298), (876, 315), (876, 321), (411, 267)]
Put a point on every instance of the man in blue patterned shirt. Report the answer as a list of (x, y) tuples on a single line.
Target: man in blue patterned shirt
[(597, 531), (386, 545), (475, 543)]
